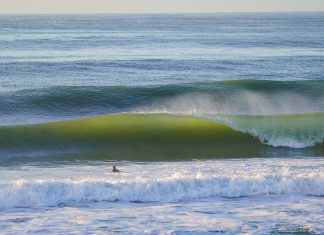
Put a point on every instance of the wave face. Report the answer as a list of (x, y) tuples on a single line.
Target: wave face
[(250, 97), (199, 120), (193, 180), (129, 137), (155, 137)]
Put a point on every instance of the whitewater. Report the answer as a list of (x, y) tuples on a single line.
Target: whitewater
[(234, 195)]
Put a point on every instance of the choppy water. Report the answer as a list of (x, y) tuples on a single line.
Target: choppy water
[(172, 92)]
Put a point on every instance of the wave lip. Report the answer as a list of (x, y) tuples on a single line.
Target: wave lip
[(246, 96), (176, 188), (293, 130)]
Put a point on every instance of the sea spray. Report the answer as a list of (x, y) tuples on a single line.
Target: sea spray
[(244, 97)]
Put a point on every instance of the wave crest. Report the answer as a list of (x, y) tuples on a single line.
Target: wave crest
[(294, 131)]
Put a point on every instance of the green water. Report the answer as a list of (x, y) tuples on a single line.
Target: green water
[(145, 137)]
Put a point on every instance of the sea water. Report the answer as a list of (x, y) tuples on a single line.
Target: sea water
[(258, 196), (261, 75)]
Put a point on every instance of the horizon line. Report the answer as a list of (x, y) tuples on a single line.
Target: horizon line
[(160, 13)]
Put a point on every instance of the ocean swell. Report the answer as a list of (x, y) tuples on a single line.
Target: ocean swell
[(158, 137), (244, 97)]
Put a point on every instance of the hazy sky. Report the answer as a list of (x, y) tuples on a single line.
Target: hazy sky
[(156, 6)]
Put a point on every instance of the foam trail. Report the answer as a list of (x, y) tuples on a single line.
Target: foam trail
[(175, 188)]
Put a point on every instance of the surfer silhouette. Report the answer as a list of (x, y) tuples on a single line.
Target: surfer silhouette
[(114, 169)]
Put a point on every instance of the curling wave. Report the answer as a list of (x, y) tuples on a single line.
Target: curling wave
[(157, 137), (294, 131)]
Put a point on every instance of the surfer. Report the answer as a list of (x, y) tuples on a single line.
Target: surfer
[(114, 169)]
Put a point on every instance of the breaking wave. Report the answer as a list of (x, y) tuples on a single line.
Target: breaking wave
[(154, 137), (176, 188), (195, 120), (244, 97)]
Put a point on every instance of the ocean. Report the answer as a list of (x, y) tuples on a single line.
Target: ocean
[(216, 122)]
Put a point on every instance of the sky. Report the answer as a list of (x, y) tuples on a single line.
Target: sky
[(155, 6)]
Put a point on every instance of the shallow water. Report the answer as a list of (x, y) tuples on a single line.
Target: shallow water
[(228, 196)]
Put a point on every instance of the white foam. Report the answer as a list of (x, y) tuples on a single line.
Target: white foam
[(294, 132), (186, 185)]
